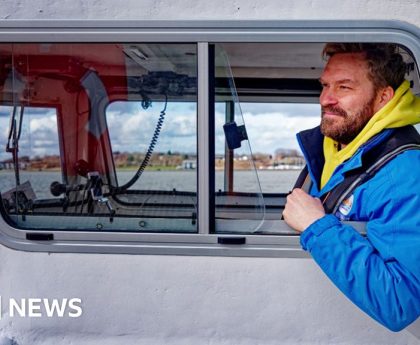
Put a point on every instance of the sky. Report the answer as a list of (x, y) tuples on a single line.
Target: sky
[(269, 126), (38, 136), (273, 126)]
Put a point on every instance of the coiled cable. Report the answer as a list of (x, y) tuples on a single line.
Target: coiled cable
[(153, 142)]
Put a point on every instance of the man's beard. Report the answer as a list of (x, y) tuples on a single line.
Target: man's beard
[(351, 125)]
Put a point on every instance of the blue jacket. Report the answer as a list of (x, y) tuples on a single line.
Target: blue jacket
[(380, 273)]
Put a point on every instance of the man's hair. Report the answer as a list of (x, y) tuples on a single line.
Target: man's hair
[(385, 64)]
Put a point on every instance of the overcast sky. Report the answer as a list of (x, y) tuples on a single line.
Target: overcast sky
[(275, 126), (269, 126), (38, 136)]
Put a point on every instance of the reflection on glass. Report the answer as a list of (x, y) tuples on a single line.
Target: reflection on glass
[(272, 129), (103, 135), (31, 160), (239, 201), (167, 143), (267, 94)]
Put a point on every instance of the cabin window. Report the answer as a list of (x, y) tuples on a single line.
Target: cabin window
[(162, 140), (103, 135)]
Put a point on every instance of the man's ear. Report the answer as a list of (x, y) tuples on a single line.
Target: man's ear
[(384, 96)]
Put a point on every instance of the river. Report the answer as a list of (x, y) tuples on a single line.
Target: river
[(271, 181)]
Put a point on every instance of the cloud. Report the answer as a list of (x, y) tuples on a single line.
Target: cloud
[(286, 109), (131, 128), (270, 131), (271, 126), (4, 112), (40, 139), (39, 133)]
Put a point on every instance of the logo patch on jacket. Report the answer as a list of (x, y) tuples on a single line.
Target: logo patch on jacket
[(346, 206)]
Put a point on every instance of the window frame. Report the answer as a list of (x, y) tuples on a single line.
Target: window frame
[(202, 33)]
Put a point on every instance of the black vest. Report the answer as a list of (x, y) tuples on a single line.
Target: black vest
[(401, 139)]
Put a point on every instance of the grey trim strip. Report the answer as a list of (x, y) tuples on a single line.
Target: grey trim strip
[(209, 24), (212, 36), (203, 138), (287, 245)]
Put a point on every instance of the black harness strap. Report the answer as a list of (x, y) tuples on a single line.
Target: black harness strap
[(303, 181), (331, 204), (401, 140)]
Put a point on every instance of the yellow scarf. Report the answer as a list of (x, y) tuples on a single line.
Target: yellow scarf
[(402, 110)]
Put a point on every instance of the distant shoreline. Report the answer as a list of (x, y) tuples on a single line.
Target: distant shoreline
[(166, 169)]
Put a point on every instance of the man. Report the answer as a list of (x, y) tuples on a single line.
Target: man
[(367, 108)]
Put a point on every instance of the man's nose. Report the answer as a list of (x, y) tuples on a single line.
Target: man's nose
[(327, 97)]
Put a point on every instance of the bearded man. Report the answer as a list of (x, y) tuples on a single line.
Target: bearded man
[(363, 164)]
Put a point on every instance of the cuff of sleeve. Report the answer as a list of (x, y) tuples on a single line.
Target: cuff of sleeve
[(316, 229)]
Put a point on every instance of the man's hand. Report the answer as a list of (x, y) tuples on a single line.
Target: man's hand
[(302, 210)]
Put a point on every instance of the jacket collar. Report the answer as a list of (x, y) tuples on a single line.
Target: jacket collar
[(311, 144)]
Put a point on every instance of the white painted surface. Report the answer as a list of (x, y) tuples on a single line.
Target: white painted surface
[(184, 300), (190, 300), (407, 10)]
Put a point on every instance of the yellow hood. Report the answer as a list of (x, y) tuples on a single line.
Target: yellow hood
[(402, 110)]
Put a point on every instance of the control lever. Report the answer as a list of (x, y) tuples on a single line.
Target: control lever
[(95, 183), (57, 188)]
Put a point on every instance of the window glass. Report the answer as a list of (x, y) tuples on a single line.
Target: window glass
[(135, 133), (239, 205), (105, 135), (36, 154), (272, 129), (102, 134), (276, 91)]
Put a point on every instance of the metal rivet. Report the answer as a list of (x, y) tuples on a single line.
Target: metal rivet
[(142, 224)]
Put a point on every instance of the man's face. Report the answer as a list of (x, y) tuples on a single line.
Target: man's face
[(348, 97)]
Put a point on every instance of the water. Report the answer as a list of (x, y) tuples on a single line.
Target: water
[(272, 181)]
